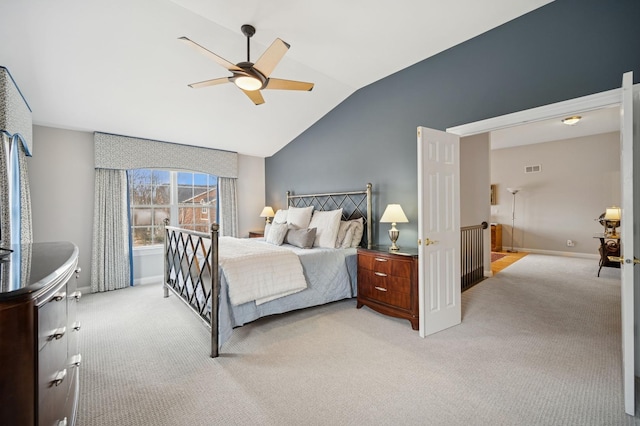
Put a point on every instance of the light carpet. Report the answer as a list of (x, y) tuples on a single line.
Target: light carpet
[(539, 344)]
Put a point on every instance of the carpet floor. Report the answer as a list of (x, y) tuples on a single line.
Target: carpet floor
[(539, 344)]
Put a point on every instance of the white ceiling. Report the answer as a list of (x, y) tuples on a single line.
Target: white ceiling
[(116, 66), (592, 123)]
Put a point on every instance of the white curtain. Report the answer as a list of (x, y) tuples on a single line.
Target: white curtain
[(228, 205), (110, 257)]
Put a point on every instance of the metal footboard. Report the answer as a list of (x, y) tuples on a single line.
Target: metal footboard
[(191, 272)]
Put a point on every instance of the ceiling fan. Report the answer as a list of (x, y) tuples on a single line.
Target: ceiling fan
[(249, 77)]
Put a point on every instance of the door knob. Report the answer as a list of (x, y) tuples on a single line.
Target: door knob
[(428, 242)]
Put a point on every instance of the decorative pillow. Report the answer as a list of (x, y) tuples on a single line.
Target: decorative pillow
[(358, 230), (299, 216), (348, 238), (280, 217), (302, 238), (267, 227), (342, 231), (277, 233), (327, 224)]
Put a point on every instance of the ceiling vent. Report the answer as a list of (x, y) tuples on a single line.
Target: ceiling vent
[(533, 169)]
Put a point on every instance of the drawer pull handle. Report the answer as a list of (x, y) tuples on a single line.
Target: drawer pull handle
[(380, 274), (60, 296), (76, 295), (380, 259), (58, 333), (77, 326), (62, 422), (380, 288), (76, 360), (59, 377)]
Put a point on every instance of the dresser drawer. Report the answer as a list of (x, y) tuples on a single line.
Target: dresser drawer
[(52, 319), (385, 264), (395, 299)]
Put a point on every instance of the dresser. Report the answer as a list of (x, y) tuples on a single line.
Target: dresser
[(496, 237), (388, 282), (38, 335)]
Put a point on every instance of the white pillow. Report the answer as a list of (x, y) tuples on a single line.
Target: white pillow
[(277, 233), (280, 217), (299, 216), (358, 230), (327, 224)]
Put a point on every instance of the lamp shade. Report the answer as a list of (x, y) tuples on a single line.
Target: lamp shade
[(267, 212), (612, 213), (393, 214)]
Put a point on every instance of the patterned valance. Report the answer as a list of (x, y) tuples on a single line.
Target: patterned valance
[(15, 114), (125, 153)]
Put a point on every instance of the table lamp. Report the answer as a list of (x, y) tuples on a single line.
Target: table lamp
[(267, 213), (393, 214)]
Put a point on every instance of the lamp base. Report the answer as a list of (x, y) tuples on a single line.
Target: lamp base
[(393, 236)]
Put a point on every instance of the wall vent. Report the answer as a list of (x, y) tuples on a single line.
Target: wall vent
[(533, 169)]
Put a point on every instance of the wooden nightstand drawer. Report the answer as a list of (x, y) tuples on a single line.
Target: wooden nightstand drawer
[(388, 283), (385, 290)]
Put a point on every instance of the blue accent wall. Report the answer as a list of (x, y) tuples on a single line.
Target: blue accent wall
[(564, 50)]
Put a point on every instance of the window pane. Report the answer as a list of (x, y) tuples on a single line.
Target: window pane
[(141, 216), (140, 186), (158, 235), (142, 236), (185, 215), (160, 214)]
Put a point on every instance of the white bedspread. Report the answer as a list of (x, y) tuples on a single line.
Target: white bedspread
[(256, 270)]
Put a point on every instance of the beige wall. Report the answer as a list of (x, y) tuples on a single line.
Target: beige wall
[(579, 178), (61, 175), (475, 184)]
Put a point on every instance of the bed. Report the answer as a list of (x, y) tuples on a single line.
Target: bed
[(214, 275)]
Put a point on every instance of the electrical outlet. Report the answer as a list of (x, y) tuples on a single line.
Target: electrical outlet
[(570, 243)]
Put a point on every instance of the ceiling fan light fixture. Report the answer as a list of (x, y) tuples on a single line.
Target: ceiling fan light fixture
[(248, 83), (570, 121)]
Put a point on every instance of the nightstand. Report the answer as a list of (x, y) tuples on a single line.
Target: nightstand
[(388, 282), (256, 234)]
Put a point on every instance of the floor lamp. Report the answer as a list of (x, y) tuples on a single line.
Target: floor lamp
[(513, 191)]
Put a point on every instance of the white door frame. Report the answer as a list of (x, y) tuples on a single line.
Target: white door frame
[(610, 98)]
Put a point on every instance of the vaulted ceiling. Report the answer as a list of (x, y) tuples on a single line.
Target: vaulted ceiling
[(117, 66)]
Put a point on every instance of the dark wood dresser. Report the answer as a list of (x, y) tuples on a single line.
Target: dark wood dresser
[(39, 356), (388, 282)]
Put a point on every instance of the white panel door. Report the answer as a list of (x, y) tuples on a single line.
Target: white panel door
[(630, 234), (438, 230)]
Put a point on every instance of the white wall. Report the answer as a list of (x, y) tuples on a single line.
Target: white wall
[(579, 178), (61, 175)]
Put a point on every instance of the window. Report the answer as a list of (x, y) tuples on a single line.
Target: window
[(188, 199)]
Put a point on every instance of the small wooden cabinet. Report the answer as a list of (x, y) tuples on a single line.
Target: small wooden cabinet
[(496, 237), (388, 283), (256, 234)]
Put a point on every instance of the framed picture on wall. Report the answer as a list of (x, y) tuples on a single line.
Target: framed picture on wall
[(494, 195)]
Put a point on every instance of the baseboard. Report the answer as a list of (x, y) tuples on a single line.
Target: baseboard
[(561, 253), (488, 274), (148, 280), (85, 290)]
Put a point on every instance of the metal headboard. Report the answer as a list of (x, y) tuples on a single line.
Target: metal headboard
[(356, 204)]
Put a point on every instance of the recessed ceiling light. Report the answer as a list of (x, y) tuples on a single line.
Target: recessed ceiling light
[(570, 121)]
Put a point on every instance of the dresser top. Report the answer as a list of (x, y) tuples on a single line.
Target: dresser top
[(403, 251), (31, 268)]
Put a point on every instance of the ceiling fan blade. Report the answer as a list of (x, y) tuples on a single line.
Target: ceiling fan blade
[(228, 65), (271, 57), (278, 84), (207, 83), (255, 96)]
